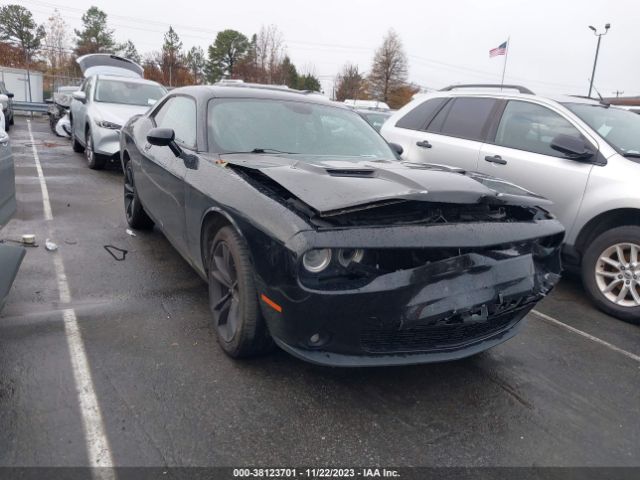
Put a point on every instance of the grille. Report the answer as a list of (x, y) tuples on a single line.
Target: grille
[(432, 337)]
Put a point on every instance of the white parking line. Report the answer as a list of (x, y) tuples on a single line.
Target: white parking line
[(604, 343), (98, 449), (43, 185)]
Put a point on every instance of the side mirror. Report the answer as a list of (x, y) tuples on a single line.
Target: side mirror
[(397, 148), (164, 137), (80, 96), (572, 147), (10, 95)]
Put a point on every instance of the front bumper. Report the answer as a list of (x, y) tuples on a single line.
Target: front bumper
[(106, 141), (444, 310)]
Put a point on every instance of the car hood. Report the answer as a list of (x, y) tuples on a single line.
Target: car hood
[(333, 185), (116, 112)]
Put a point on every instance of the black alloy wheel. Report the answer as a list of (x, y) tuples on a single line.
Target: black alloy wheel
[(233, 298), (136, 216)]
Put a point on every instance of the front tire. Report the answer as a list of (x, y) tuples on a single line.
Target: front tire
[(611, 272), (233, 298), (75, 144), (95, 161), (134, 211)]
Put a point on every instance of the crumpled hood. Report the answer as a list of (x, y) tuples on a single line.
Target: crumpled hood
[(334, 184), (116, 112)]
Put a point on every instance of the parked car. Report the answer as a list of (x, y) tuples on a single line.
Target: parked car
[(375, 118), (6, 99), (58, 110), (579, 153), (113, 91), (10, 255), (311, 233)]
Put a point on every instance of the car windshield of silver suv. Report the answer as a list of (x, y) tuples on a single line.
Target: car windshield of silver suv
[(620, 128)]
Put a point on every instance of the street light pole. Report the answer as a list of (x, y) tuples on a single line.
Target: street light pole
[(595, 61)]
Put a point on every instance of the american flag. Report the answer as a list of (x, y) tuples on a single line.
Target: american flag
[(501, 50)]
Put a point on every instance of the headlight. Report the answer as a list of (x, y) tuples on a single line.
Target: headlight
[(316, 260), (349, 255), (109, 125)]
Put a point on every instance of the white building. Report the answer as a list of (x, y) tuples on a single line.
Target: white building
[(15, 79)]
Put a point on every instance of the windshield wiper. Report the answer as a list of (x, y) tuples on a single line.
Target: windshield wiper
[(261, 150), (631, 154)]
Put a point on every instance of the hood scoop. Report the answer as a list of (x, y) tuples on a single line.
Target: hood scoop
[(351, 172)]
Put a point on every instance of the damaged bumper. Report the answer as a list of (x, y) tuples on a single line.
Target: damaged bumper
[(443, 309), (106, 141)]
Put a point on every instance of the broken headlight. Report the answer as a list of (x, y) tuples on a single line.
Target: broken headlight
[(317, 260), (109, 125)]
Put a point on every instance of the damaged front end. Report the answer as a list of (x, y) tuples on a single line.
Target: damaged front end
[(399, 265), (410, 282)]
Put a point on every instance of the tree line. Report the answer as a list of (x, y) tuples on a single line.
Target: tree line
[(258, 58)]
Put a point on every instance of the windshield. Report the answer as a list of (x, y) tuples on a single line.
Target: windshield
[(620, 128), (128, 93), (248, 124)]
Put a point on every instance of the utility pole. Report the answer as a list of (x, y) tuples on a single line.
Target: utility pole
[(618, 93), (595, 61)]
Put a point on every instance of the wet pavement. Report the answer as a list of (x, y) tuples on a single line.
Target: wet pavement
[(167, 394)]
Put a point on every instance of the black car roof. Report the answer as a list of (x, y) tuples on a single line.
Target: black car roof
[(204, 92)]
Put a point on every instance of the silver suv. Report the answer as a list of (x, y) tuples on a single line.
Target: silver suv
[(113, 91), (582, 154)]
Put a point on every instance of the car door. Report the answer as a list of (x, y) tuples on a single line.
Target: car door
[(455, 134), (164, 173), (520, 152)]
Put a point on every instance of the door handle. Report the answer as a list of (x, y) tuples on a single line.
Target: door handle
[(495, 159), (424, 144)]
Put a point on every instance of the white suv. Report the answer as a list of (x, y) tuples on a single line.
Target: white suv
[(581, 154)]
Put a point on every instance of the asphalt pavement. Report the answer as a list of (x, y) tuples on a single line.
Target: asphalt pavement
[(164, 394)]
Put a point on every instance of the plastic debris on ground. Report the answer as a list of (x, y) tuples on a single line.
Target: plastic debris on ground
[(50, 246)]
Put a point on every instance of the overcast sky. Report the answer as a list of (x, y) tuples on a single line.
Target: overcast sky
[(447, 41)]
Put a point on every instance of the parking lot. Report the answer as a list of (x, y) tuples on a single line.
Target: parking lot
[(106, 362)]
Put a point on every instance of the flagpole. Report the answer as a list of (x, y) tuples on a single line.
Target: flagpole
[(506, 55)]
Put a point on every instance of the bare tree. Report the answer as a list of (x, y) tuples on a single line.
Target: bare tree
[(350, 83), (390, 70), (57, 45), (270, 52)]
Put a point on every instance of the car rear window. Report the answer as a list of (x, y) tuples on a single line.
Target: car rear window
[(464, 118), (421, 115)]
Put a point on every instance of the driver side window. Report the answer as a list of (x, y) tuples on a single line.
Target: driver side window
[(530, 127), (179, 114)]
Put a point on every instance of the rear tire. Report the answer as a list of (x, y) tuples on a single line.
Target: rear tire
[(95, 161), (609, 262), (75, 144), (11, 121), (233, 298), (134, 211)]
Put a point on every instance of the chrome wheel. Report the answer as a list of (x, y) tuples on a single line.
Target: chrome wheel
[(89, 149), (617, 274), (224, 292)]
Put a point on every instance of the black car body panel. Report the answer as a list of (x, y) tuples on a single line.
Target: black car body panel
[(10, 255), (453, 260)]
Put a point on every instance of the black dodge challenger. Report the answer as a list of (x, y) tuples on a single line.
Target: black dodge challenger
[(312, 234)]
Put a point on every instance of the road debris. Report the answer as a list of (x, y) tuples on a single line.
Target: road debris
[(50, 246), (113, 251)]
